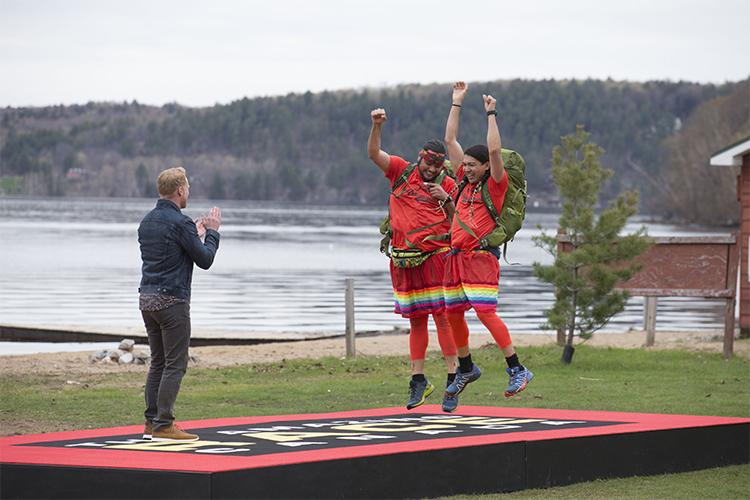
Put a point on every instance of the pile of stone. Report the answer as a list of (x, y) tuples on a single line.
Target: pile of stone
[(124, 354)]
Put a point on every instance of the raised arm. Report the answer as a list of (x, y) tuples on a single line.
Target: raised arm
[(377, 155), (455, 152), (493, 139)]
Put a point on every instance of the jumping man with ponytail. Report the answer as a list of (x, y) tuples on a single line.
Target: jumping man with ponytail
[(472, 272)]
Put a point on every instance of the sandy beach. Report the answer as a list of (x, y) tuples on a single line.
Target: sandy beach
[(387, 344)]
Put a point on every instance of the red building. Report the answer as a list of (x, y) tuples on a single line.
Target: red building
[(738, 155)]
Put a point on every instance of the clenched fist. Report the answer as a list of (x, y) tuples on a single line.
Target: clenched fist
[(378, 116)]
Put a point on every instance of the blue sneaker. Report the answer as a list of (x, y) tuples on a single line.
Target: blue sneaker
[(519, 378), (450, 402), (418, 392), (462, 380)]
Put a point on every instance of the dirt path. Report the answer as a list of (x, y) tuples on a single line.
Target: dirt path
[(70, 364)]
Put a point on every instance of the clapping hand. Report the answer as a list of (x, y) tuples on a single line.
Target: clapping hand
[(212, 220), (200, 227)]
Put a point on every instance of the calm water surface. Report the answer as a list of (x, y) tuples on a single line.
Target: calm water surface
[(279, 268)]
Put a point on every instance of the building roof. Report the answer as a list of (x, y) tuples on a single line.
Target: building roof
[(731, 156)]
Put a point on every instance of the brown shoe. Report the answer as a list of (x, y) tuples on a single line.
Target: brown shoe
[(148, 429), (173, 433)]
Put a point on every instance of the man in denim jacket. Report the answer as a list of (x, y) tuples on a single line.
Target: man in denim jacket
[(170, 244)]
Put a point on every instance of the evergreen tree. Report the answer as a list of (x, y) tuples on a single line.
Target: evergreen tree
[(598, 258)]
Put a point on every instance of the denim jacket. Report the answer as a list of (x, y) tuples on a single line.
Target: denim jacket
[(169, 247)]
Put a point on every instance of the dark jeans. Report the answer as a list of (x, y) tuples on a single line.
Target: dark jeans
[(168, 337)]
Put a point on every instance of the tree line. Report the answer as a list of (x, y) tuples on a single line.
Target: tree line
[(311, 147)]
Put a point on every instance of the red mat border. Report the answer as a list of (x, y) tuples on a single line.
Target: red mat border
[(11, 452)]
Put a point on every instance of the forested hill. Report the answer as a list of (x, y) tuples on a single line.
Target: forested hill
[(312, 147)]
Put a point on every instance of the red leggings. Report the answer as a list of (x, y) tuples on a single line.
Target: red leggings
[(418, 337), (489, 319)]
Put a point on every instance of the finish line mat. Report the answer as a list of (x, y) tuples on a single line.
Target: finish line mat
[(384, 452)]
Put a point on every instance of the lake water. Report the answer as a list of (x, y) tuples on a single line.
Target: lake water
[(280, 268)]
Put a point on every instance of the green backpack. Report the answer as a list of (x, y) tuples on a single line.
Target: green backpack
[(510, 218), (385, 226)]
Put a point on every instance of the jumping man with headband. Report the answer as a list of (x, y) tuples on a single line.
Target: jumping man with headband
[(420, 212), (472, 272)]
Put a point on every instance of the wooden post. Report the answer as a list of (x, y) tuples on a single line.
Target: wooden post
[(649, 320), (729, 328), (350, 347), (732, 265)]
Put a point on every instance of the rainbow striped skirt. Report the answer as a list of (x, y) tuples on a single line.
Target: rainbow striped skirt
[(471, 280)]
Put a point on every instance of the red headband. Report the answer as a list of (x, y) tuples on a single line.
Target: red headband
[(432, 157)]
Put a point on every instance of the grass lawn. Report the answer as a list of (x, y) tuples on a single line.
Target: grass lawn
[(599, 379)]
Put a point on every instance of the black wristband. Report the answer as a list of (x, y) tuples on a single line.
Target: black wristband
[(456, 105), (492, 112)]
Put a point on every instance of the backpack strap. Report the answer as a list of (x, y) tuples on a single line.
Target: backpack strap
[(461, 186), (403, 177), (441, 177), (487, 199)]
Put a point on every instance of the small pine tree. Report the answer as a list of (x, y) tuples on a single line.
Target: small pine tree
[(599, 258)]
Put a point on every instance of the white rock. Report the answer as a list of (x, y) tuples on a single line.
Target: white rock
[(127, 345), (125, 359)]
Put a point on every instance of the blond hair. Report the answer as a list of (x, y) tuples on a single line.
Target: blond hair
[(170, 179)]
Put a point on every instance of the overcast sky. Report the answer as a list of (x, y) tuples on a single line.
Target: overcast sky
[(201, 53)]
